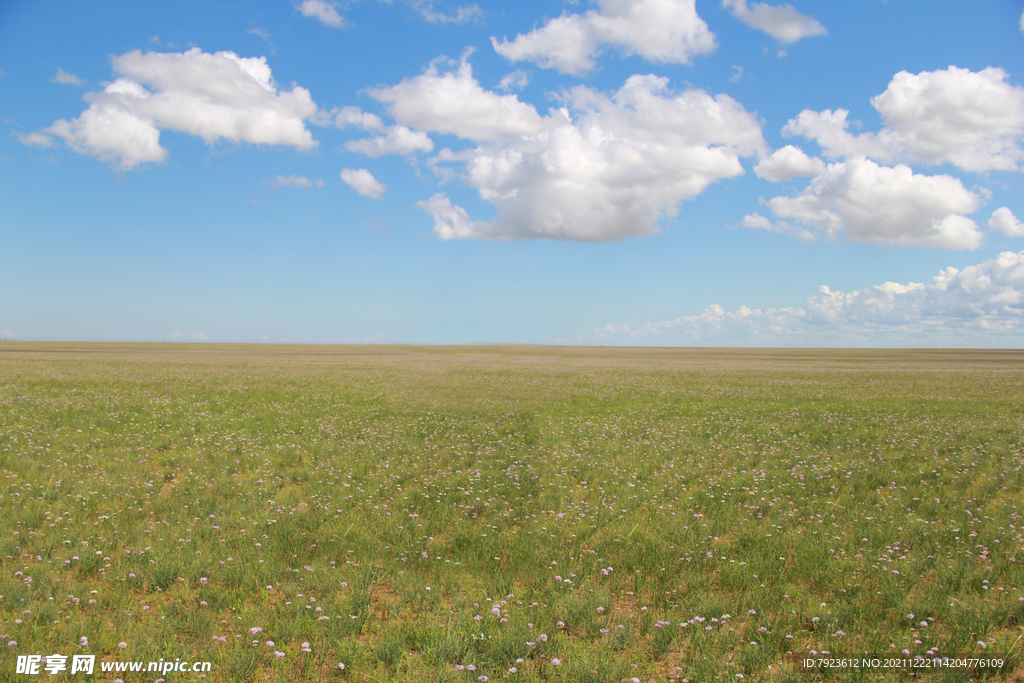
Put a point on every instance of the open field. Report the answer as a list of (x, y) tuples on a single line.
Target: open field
[(523, 514)]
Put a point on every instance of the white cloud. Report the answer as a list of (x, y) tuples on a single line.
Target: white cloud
[(354, 116), (889, 205), (974, 120), (212, 96), (66, 78), (454, 102), (756, 221), (831, 131), (602, 168), (363, 182), (980, 305), (293, 181), (37, 139), (451, 220), (462, 13), (110, 132), (186, 335), (787, 163), (516, 80), (1004, 221), (7, 334), (396, 140), (322, 11), (781, 22), (662, 31), (1022, 22)]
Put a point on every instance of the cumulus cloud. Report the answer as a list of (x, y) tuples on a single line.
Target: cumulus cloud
[(980, 305), (65, 78), (602, 167), (787, 163), (451, 220), (354, 116), (397, 139), (363, 182), (830, 129), (454, 102), (322, 11), (1005, 222), (111, 132), (781, 22), (661, 31), (974, 120), (212, 96), (462, 14), (866, 202), (293, 181)]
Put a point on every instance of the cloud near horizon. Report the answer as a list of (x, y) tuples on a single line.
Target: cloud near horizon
[(188, 335), (982, 304)]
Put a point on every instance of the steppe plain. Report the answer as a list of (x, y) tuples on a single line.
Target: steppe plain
[(510, 513)]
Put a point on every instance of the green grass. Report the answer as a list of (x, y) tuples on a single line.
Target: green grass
[(414, 512)]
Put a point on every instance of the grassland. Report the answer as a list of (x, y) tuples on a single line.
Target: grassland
[(522, 514)]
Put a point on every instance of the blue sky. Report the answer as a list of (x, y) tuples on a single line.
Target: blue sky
[(640, 172)]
